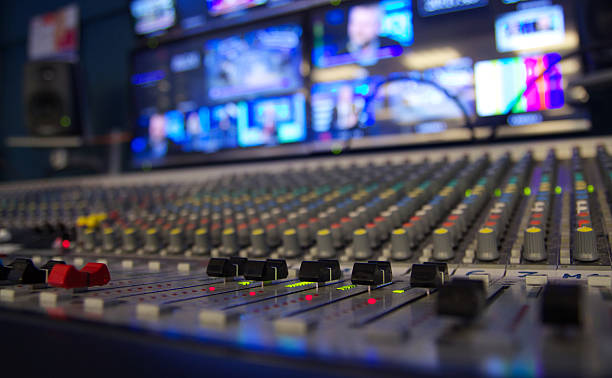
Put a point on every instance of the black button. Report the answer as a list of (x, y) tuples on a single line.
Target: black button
[(462, 297), (320, 271), (426, 275), (561, 305)]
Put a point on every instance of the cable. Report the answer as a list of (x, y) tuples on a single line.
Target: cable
[(407, 77)]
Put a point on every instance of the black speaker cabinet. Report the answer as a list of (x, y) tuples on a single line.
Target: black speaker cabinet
[(51, 99)]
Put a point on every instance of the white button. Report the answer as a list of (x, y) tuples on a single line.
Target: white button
[(536, 280)]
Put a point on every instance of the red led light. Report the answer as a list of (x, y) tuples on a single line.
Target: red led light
[(371, 301), (212, 288), (308, 297), (66, 244), (252, 293)]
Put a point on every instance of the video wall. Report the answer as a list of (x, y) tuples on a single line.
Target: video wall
[(347, 70)]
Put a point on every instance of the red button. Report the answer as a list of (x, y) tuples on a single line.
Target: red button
[(535, 222), (98, 274), (582, 222), (67, 276)]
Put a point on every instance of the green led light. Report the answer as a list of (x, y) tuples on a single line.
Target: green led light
[(65, 121), (244, 283), (590, 188), (336, 149), (498, 192), (347, 287), (527, 191), (468, 192), (558, 190), (398, 291), (335, 2), (299, 284)]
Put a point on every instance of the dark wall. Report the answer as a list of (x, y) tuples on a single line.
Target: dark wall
[(106, 41)]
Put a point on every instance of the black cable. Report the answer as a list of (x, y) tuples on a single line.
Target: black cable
[(407, 77)]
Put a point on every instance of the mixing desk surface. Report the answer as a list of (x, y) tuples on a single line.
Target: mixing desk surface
[(490, 263)]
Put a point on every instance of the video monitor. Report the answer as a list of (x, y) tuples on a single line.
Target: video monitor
[(537, 77), (152, 16), (530, 28), (261, 61), (435, 7), (362, 33), (219, 7)]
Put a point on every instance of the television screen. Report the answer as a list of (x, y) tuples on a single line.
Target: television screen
[(219, 7), (262, 61), (362, 33), (530, 28), (151, 16)]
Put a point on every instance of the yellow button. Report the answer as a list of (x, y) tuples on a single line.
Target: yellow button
[(533, 230), (324, 231), (360, 231), (486, 230), (399, 231), (441, 231), (290, 231), (258, 231), (585, 229)]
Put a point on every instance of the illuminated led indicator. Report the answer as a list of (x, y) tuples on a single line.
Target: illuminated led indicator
[(468, 192), (244, 283), (252, 293), (371, 301), (212, 288), (398, 291), (299, 284), (347, 287), (66, 244), (527, 191), (498, 192), (308, 297), (590, 189)]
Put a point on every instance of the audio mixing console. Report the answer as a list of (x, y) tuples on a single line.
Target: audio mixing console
[(494, 262)]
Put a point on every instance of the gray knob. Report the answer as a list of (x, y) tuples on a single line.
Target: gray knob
[(89, 240), (325, 244), (152, 244), (400, 245), (229, 242), (291, 247), (244, 238), (176, 244), (337, 236), (272, 236), (109, 243), (487, 245), (304, 235), (259, 247), (585, 246), (362, 249), (200, 242), (129, 240), (442, 244), (534, 248)]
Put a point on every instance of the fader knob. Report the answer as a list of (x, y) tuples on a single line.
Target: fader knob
[(325, 244), (585, 246), (442, 244), (108, 239), (534, 248), (361, 245), (400, 245), (487, 245)]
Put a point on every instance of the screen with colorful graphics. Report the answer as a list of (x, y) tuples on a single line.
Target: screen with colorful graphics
[(538, 78)]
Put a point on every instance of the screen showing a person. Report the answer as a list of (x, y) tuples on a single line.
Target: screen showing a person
[(363, 33), (262, 61), (219, 7), (152, 16)]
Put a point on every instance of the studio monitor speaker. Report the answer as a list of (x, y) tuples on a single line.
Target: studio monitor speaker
[(51, 99)]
